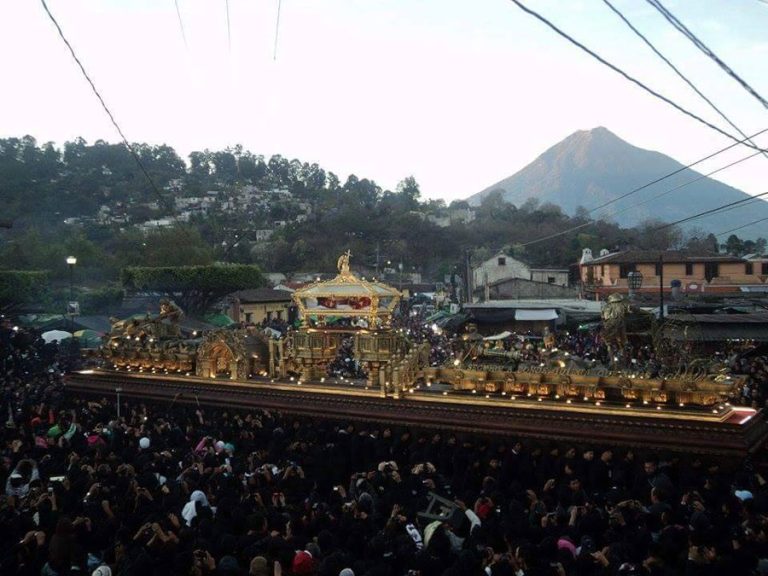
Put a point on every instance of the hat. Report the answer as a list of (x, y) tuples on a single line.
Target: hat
[(303, 563), (743, 495), (483, 510), (565, 544), (365, 501), (259, 567), (347, 572), (103, 570), (228, 564), (314, 550), (219, 446), (144, 443)]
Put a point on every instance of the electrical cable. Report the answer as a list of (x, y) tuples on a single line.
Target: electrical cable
[(742, 226), (628, 208), (133, 153), (644, 186), (708, 212), (681, 169), (676, 69), (688, 183), (621, 72), (676, 23), (181, 24), (229, 30), (277, 29)]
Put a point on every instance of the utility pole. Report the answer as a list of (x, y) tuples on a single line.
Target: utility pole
[(661, 288), (468, 282)]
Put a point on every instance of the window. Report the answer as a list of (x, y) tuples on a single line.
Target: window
[(502, 261), (764, 268), (248, 316), (749, 269), (711, 270), (550, 279), (689, 269), (602, 270), (269, 315), (279, 314), (658, 268), (625, 269)]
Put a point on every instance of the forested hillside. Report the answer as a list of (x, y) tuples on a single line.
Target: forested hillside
[(93, 201)]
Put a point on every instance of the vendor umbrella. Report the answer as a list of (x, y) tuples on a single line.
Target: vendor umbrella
[(52, 335), (88, 338)]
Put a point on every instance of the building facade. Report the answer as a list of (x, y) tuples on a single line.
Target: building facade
[(696, 273), (556, 276), (500, 267), (259, 305)]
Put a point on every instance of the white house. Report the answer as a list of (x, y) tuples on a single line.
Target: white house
[(556, 276), (500, 267)]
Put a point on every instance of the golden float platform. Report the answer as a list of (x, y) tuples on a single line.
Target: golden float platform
[(721, 430)]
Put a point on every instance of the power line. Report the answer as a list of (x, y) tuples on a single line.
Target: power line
[(705, 49), (229, 30), (675, 69), (688, 183), (181, 24), (106, 109), (681, 169), (631, 206), (644, 186), (621, 72), (277, 29), (708, 212), (742, 226)]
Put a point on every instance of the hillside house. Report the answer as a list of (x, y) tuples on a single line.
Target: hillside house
[(500, 267), (259, 305), (696, 273)]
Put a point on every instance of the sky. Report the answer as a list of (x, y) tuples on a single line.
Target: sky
[(459, 94)]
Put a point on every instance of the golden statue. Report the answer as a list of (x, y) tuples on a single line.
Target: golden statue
[(343, 263)]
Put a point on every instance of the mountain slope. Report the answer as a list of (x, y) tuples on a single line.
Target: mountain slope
[(591, 167)]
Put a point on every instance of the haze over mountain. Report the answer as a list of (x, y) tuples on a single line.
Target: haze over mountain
[(591, 167)]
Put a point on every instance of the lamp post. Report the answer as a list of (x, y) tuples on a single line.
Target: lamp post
[(71, 261), (634, 281)]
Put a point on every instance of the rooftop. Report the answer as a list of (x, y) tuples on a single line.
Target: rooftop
[(668, 256), (263, 295)]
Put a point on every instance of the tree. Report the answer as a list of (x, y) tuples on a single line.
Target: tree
[(652, 235), (225, 166), (734, 245), (21, 287), (408, 189), (195, 288)]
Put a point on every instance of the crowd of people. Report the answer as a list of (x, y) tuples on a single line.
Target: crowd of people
[(345, 365), (163, 488)]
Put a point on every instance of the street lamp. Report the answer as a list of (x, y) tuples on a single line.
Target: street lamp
[(634, 281), (71, 261)]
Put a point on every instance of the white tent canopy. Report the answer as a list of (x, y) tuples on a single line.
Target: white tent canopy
[(531, 315), (52, 335)]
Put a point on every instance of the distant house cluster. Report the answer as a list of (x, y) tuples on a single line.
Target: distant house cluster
[(244, 200)]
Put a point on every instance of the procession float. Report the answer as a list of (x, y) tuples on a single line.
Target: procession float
[(485, 386)]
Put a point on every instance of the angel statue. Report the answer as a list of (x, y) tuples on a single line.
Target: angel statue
[(614, 316), (343, 262)]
